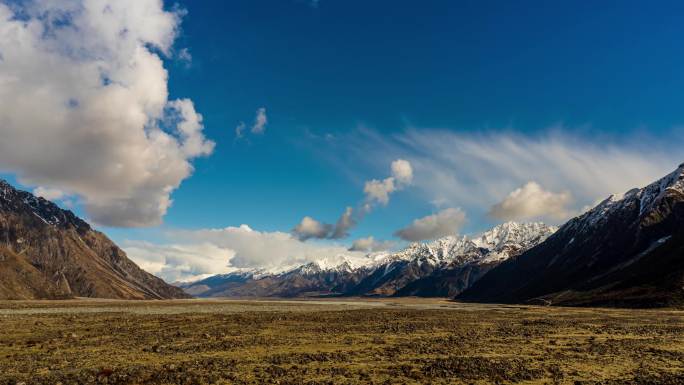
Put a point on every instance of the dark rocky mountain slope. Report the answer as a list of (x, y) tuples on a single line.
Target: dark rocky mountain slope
[(627, 251), (47, 252)]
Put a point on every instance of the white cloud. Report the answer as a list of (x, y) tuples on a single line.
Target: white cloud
[(344, 224), (446, 222), (479, 170), (369, 244), (85, 106), (240, 130), (531, 201), (50, 194), (311, 228), (276, 251), (180, 262), (402, 171), (260, 121), (378, 191)]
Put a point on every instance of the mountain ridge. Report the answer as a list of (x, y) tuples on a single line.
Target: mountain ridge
[(64, 256), (381, 273), (626, 251)]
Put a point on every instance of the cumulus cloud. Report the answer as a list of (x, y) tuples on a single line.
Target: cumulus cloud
[(378, 191), (260, 121), (276, 251), (532, 201), (310, 228), (344, 224), (402, 171), (369, 244), (180, 262), (446, 222), (85, 106), (194, 254)]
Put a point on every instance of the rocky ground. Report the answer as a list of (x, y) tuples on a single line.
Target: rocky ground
[(328, 342)]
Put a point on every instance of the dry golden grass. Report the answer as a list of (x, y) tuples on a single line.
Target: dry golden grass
[(352, 342)]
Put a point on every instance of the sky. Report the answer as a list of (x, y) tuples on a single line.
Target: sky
[(205, 136)]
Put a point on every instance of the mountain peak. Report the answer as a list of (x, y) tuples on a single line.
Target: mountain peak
[(15, 200), (387, 273), (647, 198), (64, 256), (626, 250), (513, 233)]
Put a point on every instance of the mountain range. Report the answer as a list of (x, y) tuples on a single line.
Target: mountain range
[(444, 267), (626, 251), (47, 252)]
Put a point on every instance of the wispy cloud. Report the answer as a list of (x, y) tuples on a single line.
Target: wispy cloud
[(260, 121), (476, 170), (185, 56), (257, 128), (240, 130)]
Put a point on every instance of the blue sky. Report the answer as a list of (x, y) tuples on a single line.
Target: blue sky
[(614, 67), (563, 102)]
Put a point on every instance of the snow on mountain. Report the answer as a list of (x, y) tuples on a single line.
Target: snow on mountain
[(336, 263), (511, 237), (379, 273), (647, 198), (493, 245), (651, 194), (625, 251)]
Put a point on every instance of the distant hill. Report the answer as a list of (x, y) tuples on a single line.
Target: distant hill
[(49, 253), (443, 267), (627, 251)]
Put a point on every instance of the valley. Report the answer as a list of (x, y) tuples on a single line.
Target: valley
[(349, 341), (317, 192)]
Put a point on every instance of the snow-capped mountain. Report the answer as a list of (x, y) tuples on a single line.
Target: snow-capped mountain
[(383, 273), (628, 250), (421, 268)]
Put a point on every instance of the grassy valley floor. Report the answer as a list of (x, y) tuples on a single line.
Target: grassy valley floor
[(403, 341)]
